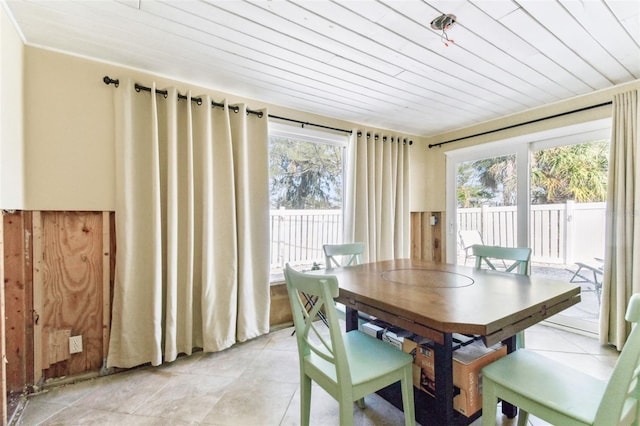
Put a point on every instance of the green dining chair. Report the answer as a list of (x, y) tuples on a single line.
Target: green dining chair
[(350, 253), (349, 365), (561, 395), (339, 255), (518, 258)]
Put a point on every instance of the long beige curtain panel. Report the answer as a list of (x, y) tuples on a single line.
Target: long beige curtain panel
[(622, 241), (192, 216), (377, 195)]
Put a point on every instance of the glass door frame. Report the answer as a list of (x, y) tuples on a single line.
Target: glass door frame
[(521, 147), (521, 152)]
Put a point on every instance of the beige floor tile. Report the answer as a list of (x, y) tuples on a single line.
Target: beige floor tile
[(124, 393), (549, 339), (325, 411), (232, 362), (37, 411), (70, 393), (253, 383), (252, 402), (585, 363), (84, 416), (188, 397), (277, 366)]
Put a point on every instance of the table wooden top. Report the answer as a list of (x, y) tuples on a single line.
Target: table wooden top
[(453, 298)]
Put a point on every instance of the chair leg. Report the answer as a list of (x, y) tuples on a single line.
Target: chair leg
[(305, 399), (523, 418), (361, 403), (346, 413), (575, 274), (489, 403), (407, 397)]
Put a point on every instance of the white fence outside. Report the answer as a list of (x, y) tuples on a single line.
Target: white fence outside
[(560, 233), (297, 236)]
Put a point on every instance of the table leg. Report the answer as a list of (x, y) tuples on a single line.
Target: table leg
[(443, 364), (351, 319), (429, 411)]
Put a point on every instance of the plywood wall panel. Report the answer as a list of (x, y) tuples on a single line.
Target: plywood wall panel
[(72, 278)]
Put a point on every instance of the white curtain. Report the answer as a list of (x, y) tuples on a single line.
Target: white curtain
[(192, 234), (622, 256), (377, 195)]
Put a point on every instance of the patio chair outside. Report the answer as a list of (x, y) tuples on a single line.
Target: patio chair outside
[(597, 269), (469, 237)]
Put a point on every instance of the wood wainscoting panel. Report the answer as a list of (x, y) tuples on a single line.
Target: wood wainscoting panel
[(280, 310), (427, 236)]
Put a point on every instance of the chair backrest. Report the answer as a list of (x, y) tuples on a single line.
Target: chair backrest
[(469, 237), (520, 257), (311, 336), (351, 254), (623, 388)]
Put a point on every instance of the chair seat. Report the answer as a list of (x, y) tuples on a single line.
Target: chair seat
[(369, 358), (527, 374)]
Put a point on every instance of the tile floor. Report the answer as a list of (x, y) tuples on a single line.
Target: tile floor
[(254, 383)]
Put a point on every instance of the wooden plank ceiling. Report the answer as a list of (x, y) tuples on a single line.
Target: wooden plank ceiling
[(377, 63)]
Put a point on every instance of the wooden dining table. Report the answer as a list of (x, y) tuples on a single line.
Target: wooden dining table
[(437, 300)]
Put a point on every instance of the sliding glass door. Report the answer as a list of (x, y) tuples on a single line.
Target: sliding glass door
[(486, 196), (546, 192), (567, 211), (484, 205)]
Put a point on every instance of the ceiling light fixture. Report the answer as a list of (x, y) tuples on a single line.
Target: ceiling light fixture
[(443, 23)]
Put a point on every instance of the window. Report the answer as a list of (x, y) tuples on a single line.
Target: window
[(306, 187), (546, 191)]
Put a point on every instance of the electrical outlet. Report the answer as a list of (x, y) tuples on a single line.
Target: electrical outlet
[(75, 344)]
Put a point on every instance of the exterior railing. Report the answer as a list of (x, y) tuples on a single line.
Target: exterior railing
[(297, 236), (560, 233)]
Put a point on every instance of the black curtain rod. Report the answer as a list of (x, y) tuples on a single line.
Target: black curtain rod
[(306, 123), (431, 145), (108, 80)]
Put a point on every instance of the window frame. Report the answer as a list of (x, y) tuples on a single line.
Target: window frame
[(305, 134)]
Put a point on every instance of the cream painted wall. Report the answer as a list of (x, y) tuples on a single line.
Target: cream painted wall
[(11, 116), (432, 197), (69, 128), (69, 132)]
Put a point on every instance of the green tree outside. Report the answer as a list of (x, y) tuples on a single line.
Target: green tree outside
[(304, 175), (571, 172)]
